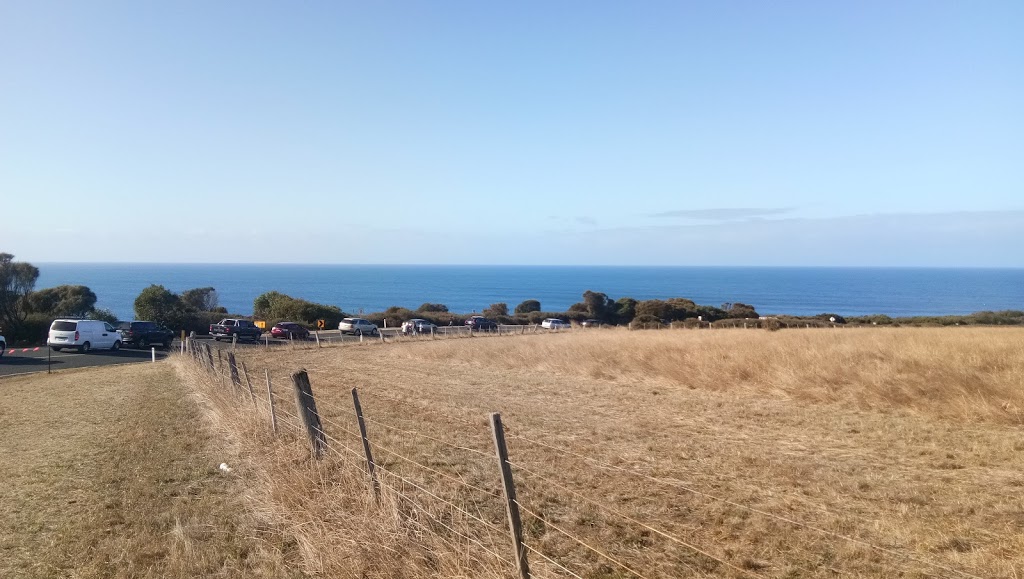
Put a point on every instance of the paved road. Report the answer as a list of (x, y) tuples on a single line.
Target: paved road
[(35, 359)]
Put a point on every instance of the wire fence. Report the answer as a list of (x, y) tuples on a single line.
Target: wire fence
[(457, 490)]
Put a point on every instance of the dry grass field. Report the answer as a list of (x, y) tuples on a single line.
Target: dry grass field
[(893, 452), (109, 472)]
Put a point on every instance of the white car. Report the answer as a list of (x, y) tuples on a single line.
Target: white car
[(3, 346), (418, 326), (357, 327), (83, 335), (555, 324)]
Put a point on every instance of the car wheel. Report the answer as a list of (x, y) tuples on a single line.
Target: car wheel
[(167, 345), (3, 348), (84, 348), (358, 333), (55, 348), (143, 343), (216, 339), (116, 346)]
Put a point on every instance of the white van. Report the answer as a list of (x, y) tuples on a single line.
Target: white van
[(84, 335)]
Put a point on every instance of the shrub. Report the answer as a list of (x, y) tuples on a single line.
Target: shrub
[(528, 306)]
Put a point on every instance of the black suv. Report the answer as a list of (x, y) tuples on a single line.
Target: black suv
[(143, 334), (481, 323)]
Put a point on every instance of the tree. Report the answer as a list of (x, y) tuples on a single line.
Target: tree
[(599, 305), (157, 303), (498, 309), (16, 281), (528, 306), (277, 307), (739, 310), (625, 310), (76, 301), (428, 307), (200, 299)]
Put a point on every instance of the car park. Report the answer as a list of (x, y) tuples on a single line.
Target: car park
[(555, 324), (477, 323), (357, 327), (143, 334), (82, 335), (418, 326), (289, 330)]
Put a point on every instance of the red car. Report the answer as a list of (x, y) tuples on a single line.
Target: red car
[(289, 330)]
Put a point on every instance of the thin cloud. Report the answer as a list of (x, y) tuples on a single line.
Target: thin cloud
[(724, 213)]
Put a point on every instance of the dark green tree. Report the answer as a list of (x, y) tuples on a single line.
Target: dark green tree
[(428, 307), (528, 306), (625, 310), (200, 299), (17, 278), (158, 304), (599, 306), (75, 301)]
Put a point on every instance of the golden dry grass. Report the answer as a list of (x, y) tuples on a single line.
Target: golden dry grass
[(801, 453), (109, 472)]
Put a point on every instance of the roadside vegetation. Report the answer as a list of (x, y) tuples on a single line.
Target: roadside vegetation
[(876, 452)]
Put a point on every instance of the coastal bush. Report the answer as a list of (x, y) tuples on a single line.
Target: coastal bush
[(428, 308), (278, 307), (527, 306), (75, 301), (499, 309)]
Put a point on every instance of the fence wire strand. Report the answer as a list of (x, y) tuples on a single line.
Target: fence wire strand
[(680, 485)]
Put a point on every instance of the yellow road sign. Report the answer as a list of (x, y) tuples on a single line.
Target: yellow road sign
[(321, 324), (261, 324)]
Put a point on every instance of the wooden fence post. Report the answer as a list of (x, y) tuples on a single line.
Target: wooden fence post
[(245, 373), (515, 525), (307, 411), (370, 465), (220, 362), (270, 398), (208, 359), (235, 381)]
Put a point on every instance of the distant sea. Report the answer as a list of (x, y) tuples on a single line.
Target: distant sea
[(464, 289)]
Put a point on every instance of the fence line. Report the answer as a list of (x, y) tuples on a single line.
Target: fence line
[(619, 513), (204, 359)]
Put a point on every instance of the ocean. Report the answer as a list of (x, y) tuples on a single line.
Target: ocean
[(369, 288)]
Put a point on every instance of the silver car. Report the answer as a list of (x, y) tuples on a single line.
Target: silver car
[(357, 327)]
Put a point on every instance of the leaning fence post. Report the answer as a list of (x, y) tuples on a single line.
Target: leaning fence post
[(370, 465), (245, 373), (515, 525), (208, 359), (270, 398), (307, 410), (317, 334), (235, 381), (220, 362)]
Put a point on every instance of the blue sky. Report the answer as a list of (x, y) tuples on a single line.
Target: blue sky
[(722, 133)]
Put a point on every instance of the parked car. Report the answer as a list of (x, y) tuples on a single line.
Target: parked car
[(481, 323), (142, 334), (555, 324), (418, 326), (229, 328), (83, 335), (357, 327), (591, 323), (3, 346), (289, 330)]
